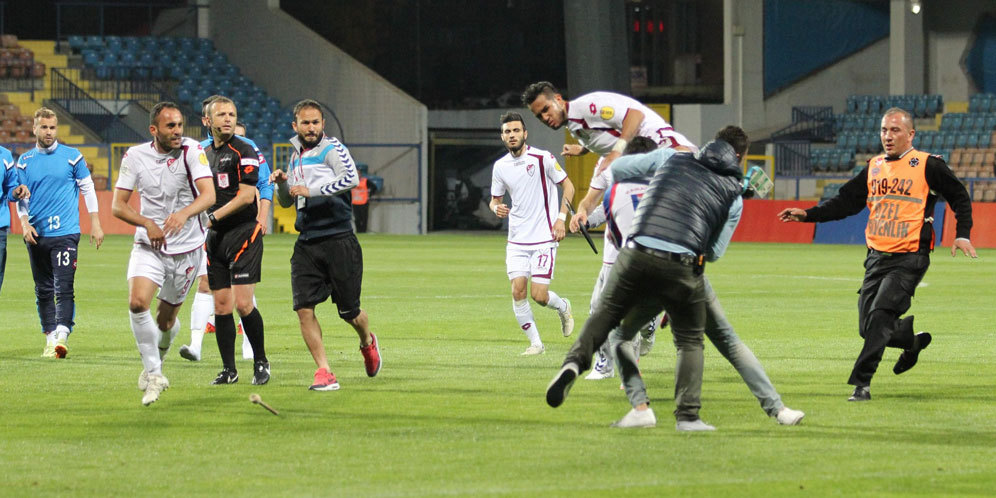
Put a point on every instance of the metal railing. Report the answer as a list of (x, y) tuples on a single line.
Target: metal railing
[(89, 111), (792, 158)]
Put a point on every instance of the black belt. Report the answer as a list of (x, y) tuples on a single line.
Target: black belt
[(677, 257)]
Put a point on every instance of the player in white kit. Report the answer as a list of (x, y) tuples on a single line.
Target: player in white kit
[(617, 211), (603, 123), (530, 176), (175, 184)]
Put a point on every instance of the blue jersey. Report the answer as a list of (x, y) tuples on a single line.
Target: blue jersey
[(263, 185), (7, 185), (51, 175)]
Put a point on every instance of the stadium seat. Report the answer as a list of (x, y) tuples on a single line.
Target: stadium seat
[(971, 140), (76, 43), (94, 42), (934, 105)]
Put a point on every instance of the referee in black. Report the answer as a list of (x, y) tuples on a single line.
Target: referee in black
[(234, 244)]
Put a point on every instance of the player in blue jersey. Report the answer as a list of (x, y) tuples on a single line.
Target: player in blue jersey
[(56, 175), (11, 190), (201, 312)]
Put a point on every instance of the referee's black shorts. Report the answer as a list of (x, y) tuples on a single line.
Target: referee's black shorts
[(328, 267), (235, 256)]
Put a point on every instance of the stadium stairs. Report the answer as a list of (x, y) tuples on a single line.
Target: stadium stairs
[(70, 132)]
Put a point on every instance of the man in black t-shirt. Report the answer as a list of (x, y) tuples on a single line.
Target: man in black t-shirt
[(234, 244)]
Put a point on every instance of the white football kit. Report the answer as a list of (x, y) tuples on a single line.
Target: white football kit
[(165, 184), (531, 180), (595, 120)]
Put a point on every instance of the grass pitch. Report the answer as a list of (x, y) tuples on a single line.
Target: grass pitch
[(457, 411)]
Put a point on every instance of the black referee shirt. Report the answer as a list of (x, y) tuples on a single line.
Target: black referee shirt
[(234, 163)]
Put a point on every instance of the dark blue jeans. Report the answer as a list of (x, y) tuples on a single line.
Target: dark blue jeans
[(53, 267)]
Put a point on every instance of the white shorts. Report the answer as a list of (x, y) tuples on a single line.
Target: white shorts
[(173, 274), (533, 261)]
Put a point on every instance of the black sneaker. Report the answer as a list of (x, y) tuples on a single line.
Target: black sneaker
[(261, 373), (557, 391), (908, 358), (861, 393), (226, 376)]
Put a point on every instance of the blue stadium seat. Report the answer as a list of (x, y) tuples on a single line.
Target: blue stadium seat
[(186, 44), (926, 140), (94, 42), (934, 105), (76, 43), (971, 139), (969, 122), (230, 71), (852, 104), (862, 105), (103, 71), (920, 106), (204, 45), (985, 139), (91, 57), (952, 121)]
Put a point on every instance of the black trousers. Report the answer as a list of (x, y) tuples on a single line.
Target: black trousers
[(360, 214), (889, 284)]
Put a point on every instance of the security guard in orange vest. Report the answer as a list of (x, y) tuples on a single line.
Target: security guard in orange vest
[(898, 188), (361, 198)]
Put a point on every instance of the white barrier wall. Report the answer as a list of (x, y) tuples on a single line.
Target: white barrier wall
[(292, 63)]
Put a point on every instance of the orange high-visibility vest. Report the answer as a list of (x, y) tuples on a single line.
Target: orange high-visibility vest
[(360, 192), (897, 200)]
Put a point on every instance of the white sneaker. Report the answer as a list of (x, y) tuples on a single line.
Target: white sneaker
[(647, 343), (533, 350), (788, 416), (157, 384), (189, 353), (693, 426), (567, 319), (143, 380), (602, 368), (637, 418), (597, 374)]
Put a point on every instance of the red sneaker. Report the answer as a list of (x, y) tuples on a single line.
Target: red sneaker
[(209, 328), (371, 356), (324, 381)]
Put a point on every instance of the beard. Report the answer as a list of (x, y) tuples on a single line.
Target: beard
[(515, 150), (309, 143)]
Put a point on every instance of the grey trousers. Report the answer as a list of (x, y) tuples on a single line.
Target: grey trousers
[(721, 334), (639, 287)]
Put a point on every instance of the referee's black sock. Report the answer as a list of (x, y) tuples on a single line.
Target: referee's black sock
[(224, 332), (252, 327)]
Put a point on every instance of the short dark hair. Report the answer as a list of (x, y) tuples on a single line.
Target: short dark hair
[(158, 109), (243, 125), (735, 136), (534, 90), (510, 116), (639, 145), (298, 107)]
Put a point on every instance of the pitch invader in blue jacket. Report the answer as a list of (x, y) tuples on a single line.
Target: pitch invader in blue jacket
[(202, 309), (56, 175), (10, 191)]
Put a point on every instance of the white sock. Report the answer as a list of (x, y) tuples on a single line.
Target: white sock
[(246, 347), (61, 332), (50, 338), (166, 338), (524, 315), (200, 311), (146, 337), (556, 302)]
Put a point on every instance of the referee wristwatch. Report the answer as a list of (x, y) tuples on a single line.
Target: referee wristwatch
[(212, 219)]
